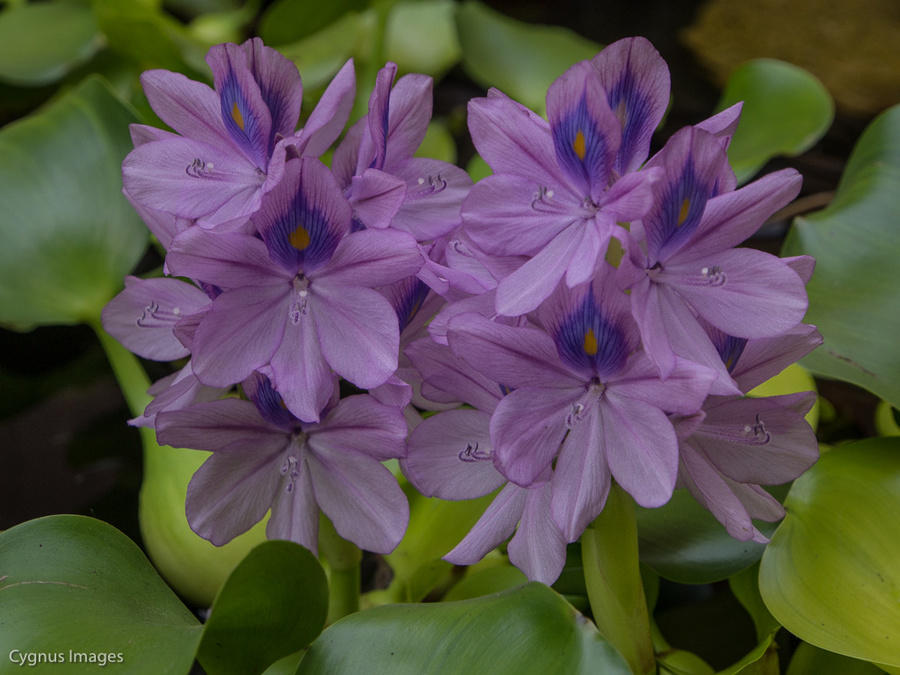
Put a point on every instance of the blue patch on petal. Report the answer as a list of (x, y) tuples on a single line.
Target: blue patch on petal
[(269, 403), (680, 209), (406, 296), (633, 110), (242, 124), (588, 341), (729, 347), (302, 239), (581, 147)]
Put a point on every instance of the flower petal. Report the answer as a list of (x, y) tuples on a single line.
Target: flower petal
[(304, 217), (641, 449), (495, 525), (192, 179), (586, 133), (244, 112), (239, 334), (743, 292), (360, 496), (449, 456), (233, 489), (143, 315), (637, 83), (362, 424), (191, 108), (538, 547), (279, 85), (581, 479), (512, 139), (526, 431), (328, 118), (358, 333)]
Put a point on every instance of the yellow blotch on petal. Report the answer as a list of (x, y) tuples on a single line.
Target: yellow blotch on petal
[(237, 116), (578, 145), (683, 214), (299, 238), (590, 342)]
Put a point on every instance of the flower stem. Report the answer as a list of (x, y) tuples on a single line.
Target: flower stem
[(610, 555), (343, 558)]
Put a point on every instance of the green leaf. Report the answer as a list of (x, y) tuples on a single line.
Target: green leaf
[(525, 630), (486, 581), (42, 42), (75, 583), (287, 21), (853, 295), (320, 56), (830, 575), (69, 236), (435, 527), (810, 660), (150, 37), (272, 605), (612, 574), (420, 36), (684, 542), (786, 110), (520, 59)]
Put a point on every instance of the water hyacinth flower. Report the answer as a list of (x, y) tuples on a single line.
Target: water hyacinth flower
[(450, 456), (560, 187), (229, 146), (584, 396), (300, 302), (737, 444), (385, 184), (265, 458), (691, 269)]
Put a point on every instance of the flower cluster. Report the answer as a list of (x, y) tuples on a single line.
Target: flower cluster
[(579, 317)]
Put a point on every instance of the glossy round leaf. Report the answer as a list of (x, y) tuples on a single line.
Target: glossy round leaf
[(525, 630), (519, 58), (810, 660), (42, 42), (786, 110), (831, 573), (853, 296), (75, 583), (684, 542), (273, 604), (69, 236)]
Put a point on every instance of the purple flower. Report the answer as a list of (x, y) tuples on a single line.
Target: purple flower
[(582, 397), (691, 268), (300, 301), (560, 187), (265, 458), (143, 316), (450, 457), (229, 147), (374, 163), (735, 445)]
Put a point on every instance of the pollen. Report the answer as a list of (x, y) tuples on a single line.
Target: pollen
[(590, 342), (579, 146), (683, 214), (237, 116), (299, 238)]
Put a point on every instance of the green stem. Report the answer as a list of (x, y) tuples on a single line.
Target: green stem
[(343, 558), (612, 574), (128, 370)]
